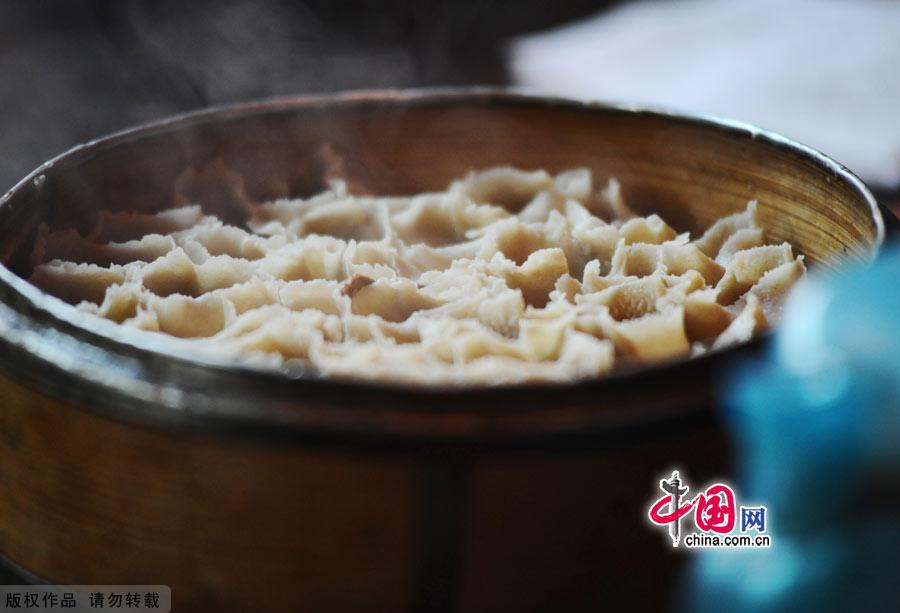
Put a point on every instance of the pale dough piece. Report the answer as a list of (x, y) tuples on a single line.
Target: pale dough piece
[(508, 276)]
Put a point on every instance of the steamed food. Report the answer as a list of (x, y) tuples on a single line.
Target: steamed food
[(506, 276)]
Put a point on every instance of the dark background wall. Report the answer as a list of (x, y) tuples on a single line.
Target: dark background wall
[(72, 70)]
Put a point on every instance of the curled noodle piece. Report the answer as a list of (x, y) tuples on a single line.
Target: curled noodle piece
[(651, 338), (189, 317), (748, 266), (772, 289), (749, 322), (716, 236), (391, 300), (76, 282), (504, 186)]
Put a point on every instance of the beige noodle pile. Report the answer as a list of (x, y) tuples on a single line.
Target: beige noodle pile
[(506, 276)]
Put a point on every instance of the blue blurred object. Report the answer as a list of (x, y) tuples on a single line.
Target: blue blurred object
[(817, 429)]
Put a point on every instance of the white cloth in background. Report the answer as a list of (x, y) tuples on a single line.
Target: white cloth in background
[(823, 72)]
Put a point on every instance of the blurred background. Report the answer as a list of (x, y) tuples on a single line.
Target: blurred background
[(820, 71), (75, 70)]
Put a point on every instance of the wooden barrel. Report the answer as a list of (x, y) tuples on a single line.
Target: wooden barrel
[(242, 489)]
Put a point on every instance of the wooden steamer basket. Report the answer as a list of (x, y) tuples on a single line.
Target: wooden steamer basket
[(121, 463)]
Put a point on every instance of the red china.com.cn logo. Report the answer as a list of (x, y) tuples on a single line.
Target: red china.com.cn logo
[(715, 514)]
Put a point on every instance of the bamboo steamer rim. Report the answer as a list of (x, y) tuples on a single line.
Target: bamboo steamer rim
[(130, 381)]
